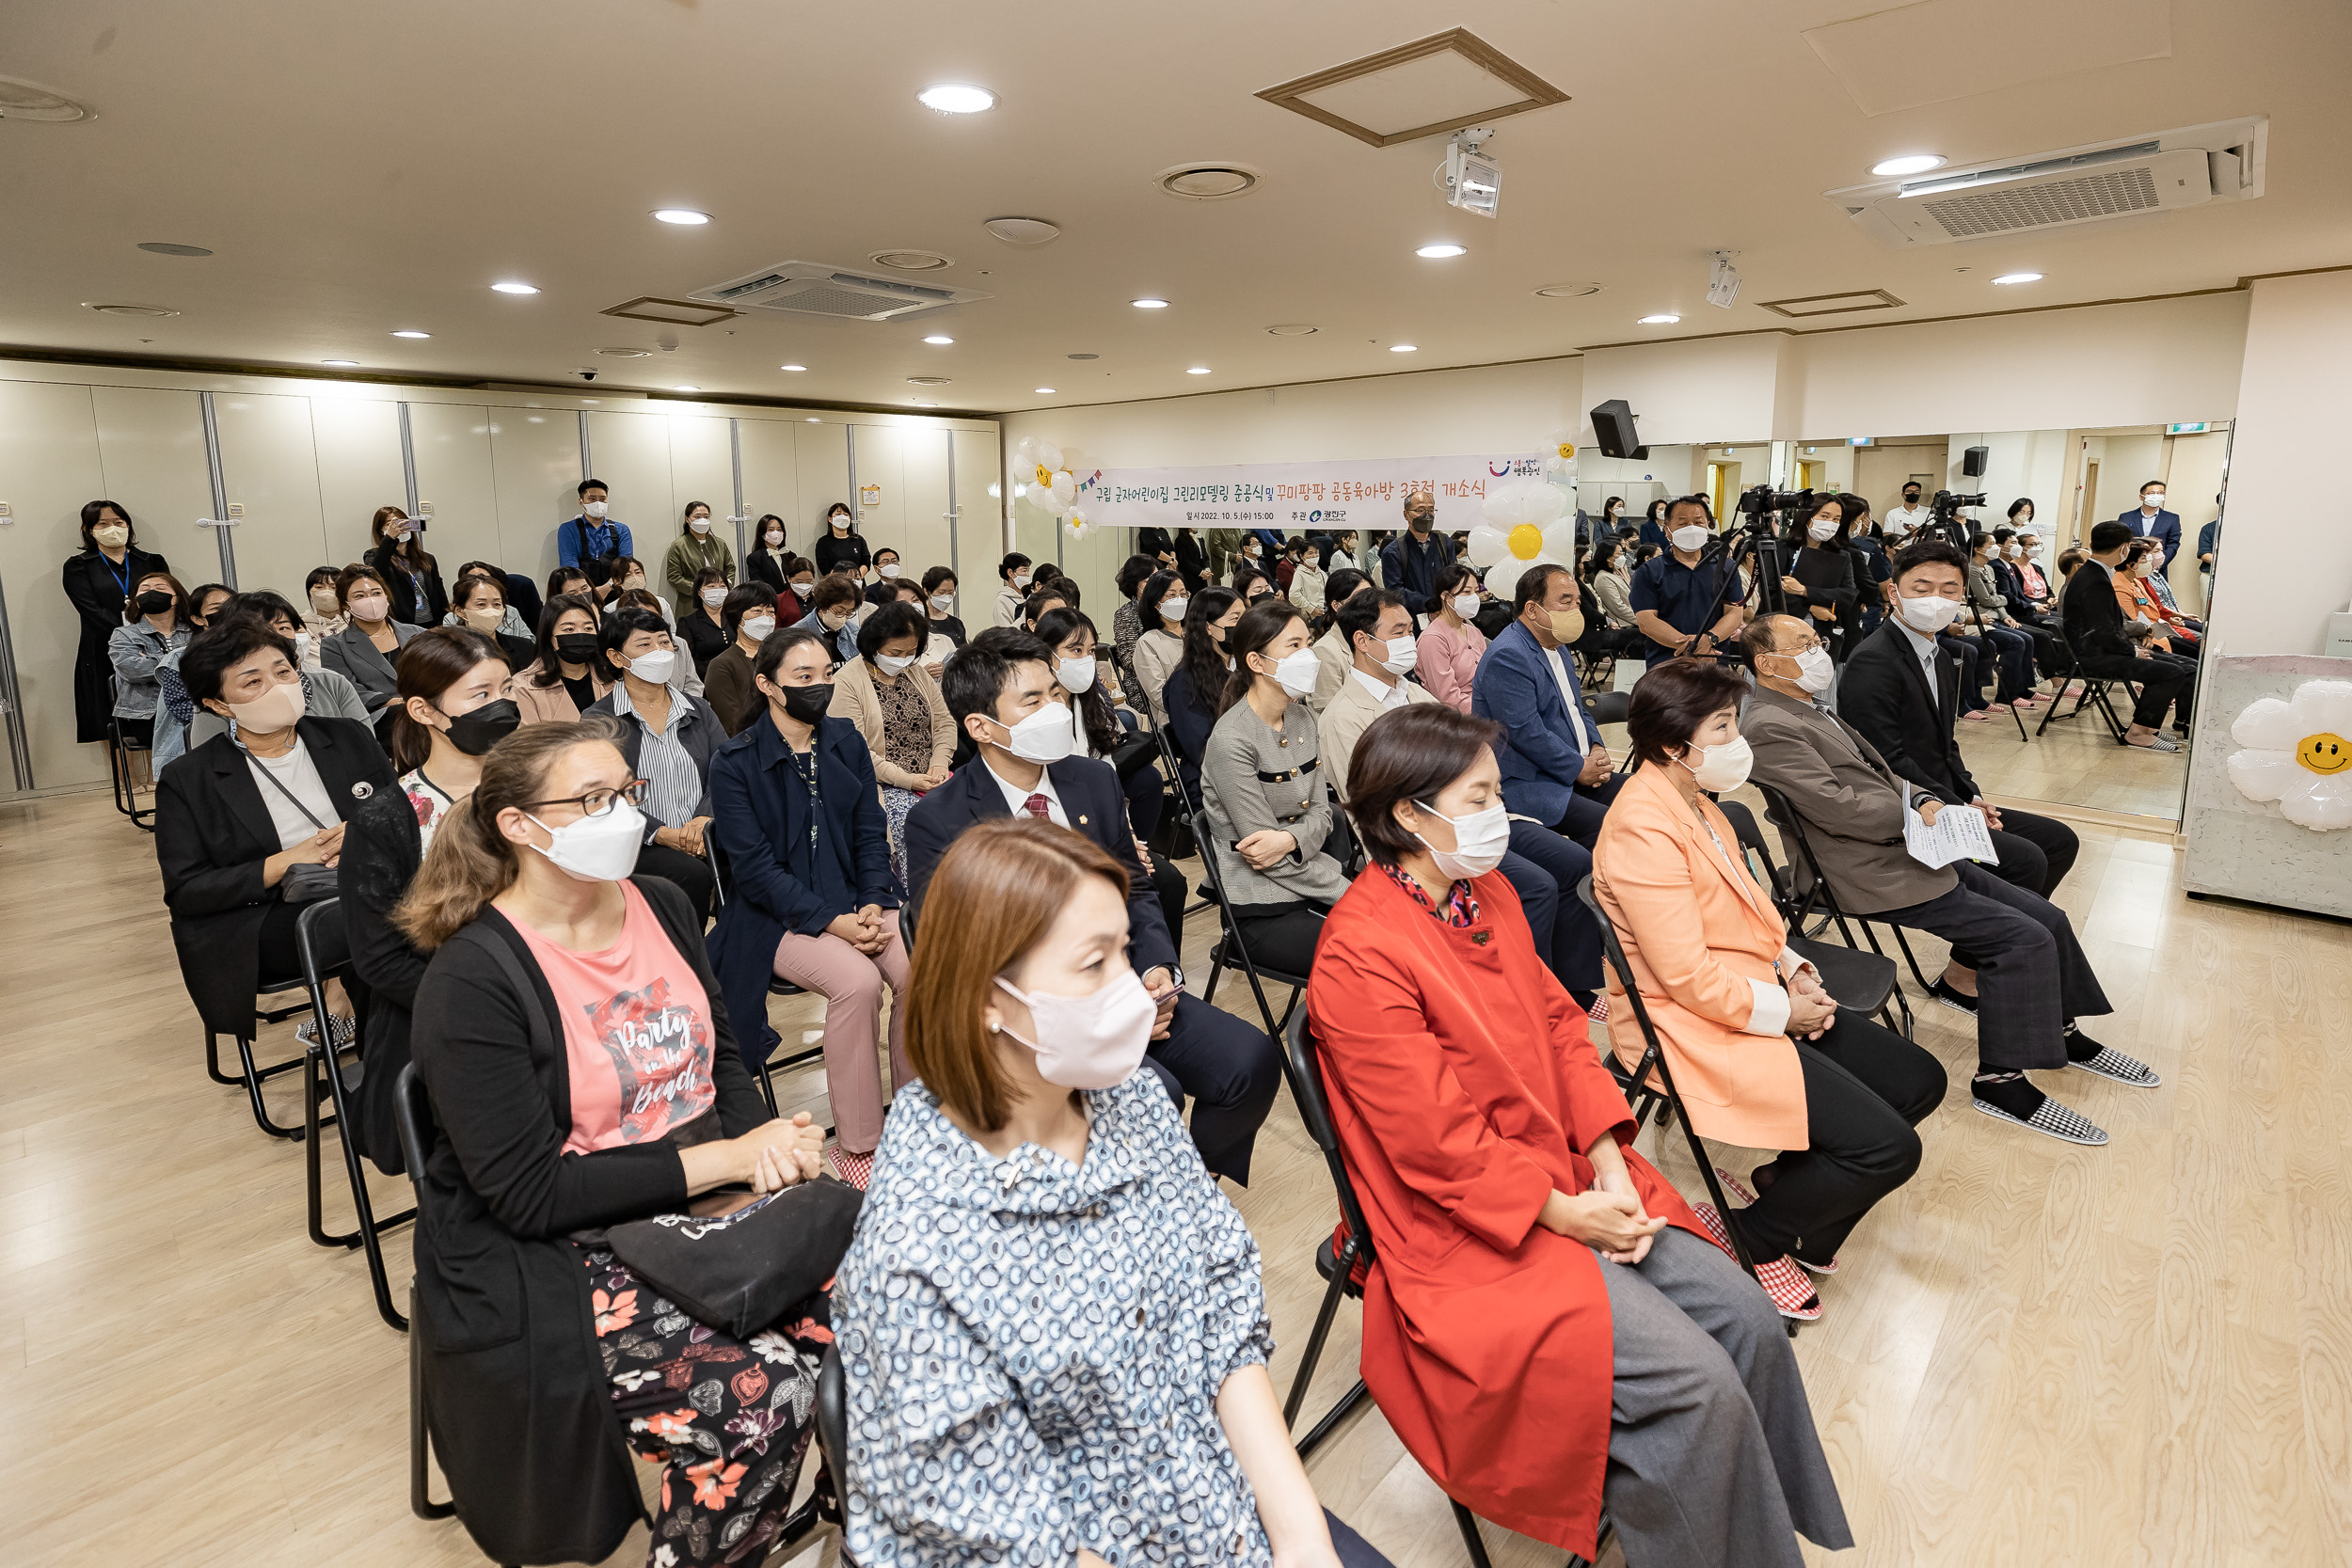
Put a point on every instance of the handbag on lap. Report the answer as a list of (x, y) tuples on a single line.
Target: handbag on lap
[(740, 1272)]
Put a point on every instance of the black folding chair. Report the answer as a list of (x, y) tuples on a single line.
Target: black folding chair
[(248, 1075), (1231, 950), (832, 1439), (1338, 1264), (322, 940), (1653, 1061), (1784, 816), (777, 985), (412, 1109), (2094, 691), (1608, 707), (118, 774), (1861, 982)]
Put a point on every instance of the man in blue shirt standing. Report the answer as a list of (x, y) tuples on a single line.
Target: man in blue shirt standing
[(1412, 561), (589, 542), (1672, 597)]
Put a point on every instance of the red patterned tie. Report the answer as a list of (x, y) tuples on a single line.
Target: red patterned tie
[(1035, 806)]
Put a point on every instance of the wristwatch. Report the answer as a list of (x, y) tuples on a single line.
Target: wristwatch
[(1176, 973)]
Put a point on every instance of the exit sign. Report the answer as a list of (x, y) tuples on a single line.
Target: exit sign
[(2198, 429)]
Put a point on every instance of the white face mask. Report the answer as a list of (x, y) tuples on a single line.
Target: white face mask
[(1813, 669), (1172, 608), (112, 535), (889, 571), (1465, 604), (892, 664), (832, 622), (594, 509), (757, 627), (943, 603), (1689, 538), (1021, 579), (700, 525), (1820, 529), (1296, 672), (302, 644), (800, 590), (1077, 674), (1404, 652), (1044, 735), (485, 617), (714, 597), (596, 848), (1930, 615), (272, 711), (2153, 498), (1480, 841), (654, 668), (839, 519), (774, 538), (1720, 767)]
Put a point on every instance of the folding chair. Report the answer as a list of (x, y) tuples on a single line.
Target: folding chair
[(1340, 1261), (1608, 707), (2094, 691), (1229, 951), (1784, 816), (777, 985), (119, 749), (1654, 1061), (249, 1075), (833, 1438), (321, 938), (1862, 982)]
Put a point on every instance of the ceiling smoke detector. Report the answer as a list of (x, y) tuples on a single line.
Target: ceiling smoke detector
[(911, 261), (153, 311), (23, 100), (1566, 291), (1022, 232), (1208, 182)]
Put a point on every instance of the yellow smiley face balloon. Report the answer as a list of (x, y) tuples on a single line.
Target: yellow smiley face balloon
[(2325, 752)]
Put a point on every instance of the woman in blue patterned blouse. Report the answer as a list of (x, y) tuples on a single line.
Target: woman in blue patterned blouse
[(1051, 1322)]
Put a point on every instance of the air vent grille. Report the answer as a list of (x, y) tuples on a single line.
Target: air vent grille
[(2111, 194)]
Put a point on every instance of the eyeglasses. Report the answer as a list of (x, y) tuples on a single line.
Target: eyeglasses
[(598, 801)]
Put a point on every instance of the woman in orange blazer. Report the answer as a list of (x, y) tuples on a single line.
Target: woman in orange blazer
[(1710, 955), (2174, 635), (1546, 1326)]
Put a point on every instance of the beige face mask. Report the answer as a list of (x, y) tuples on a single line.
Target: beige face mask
[(1567, 624), (111, 535), (486, 617)]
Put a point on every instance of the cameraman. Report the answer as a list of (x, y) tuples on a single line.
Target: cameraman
[(1675, 599)]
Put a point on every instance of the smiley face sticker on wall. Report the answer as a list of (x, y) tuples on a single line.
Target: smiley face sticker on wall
[(2296, 754)]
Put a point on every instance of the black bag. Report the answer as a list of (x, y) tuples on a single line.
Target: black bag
[(739, 1272), (310, 882), (1131, 756)]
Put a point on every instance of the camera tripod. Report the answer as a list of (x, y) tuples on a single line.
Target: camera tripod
[(1946, 527)]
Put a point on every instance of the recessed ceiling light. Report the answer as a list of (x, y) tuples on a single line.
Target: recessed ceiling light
[(160, 247), (955, 98), (1293, 329), (690, 389), (791, 367), (1081, 357), (156, 311), (343, 364), (1910, 162), (1404, 348), (904, 260), (1197, 370), (1149, 304), (1023, 231), (626, 352), (1566, 291), (920, 403), (2019, 277), (1045, 392), (1664, 318), (940, 339), (926, 381), (411, 333), (23, 100), (1440, 252), (513, 288), (685, 215), (1211, 181)]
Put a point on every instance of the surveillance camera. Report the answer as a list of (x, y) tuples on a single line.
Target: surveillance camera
[(587, 375)]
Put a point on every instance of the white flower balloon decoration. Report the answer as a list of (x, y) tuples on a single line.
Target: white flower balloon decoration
[(2299, 753), (1041, 468), (1523, 526)]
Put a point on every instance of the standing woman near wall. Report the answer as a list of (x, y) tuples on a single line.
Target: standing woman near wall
[(696, 550), (840, 547), (765, 561), (99, 579), (411, 577)]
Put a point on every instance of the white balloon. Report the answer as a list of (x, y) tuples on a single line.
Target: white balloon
[(2268, 725), (1487, 545), (2323, 805), (1064, 488), (1024, 454), (2324, 705), (1049, 455), (1523, 502), (2264, 775)]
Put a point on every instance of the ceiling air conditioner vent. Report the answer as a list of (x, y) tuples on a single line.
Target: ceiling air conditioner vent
[(2078, 184), (814, 289)]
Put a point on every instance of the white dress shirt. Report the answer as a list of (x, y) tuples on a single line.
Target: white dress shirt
[(1925, 648), (1390, 696), (1017, 799)]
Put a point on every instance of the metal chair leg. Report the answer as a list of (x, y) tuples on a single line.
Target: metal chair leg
[(311, 1126), (253, 1077), (1344, 1262), (420, 1501), (1469, 1523)]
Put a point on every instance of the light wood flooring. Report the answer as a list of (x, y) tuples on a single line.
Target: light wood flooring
[(2035, 1354)]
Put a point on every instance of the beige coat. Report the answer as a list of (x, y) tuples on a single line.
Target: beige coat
[(1340, 726), (855, 699)]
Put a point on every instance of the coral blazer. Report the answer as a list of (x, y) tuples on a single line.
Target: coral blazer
[(1707, 950), (1464, 1089)]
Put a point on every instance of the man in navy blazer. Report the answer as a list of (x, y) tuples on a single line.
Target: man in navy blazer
[(1001, 677), (1554, 766), (2150, 520)]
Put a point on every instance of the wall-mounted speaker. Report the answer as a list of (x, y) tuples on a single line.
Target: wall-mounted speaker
[(1974, 461), (1612, 428)]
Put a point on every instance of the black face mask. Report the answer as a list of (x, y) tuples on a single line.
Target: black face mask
[(577, 647), (807, 704), (484, 727), (154, 603)]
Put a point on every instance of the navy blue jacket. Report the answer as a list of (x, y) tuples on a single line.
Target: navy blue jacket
[(776, 881), (1189, 724), (1412, 568), (1096, 804), (1546, 744), (2167, 528)]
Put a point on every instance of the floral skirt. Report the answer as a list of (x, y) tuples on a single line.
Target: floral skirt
[(727, 1420), (895, 803)]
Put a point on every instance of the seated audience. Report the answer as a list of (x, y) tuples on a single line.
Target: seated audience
[(810, 895), (1003, 693), (1013, 575), (1127, 620), (237, 813), (1308, 583), (410, 576), (155, 626), (795, 602), (570, 579), (887, 575), (750, 613), (1096, 721), (1608, 573), (1197, 683), (363, 651), (2027, 609), (1263, 785), (1250, 584), (1452, 646), (1555, 768), (1160, 607), (702, 626), (1901, 692), (571, 673), (834, 604), (479, 604), (2011, 649), (1332, 656), (2015, 964), (1116, 1307), (323, 613), (894, 703), (453, 707), (1547, 1327), (2169, 631), (1679, 599), (667, 739), (1763, 1056), (325, 693), (938, 612), (2098, 627), (582, 1073)]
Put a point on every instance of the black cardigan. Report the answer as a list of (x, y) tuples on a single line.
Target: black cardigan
[(96, 594), (520, 1408), (403, 587), (382, 850)]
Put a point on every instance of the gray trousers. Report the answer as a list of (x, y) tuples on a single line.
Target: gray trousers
[(2032, 977), (1713, 1461)]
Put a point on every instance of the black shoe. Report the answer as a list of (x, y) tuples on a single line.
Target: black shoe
[(1959, 1001)]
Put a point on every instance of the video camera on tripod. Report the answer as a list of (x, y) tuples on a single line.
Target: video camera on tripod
[(1946, 524), (1755, 536)]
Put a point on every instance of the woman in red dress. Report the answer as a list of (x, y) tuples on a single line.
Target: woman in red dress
[(1547, 1326)]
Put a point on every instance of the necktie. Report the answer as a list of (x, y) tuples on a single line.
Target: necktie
[(1035, 806)]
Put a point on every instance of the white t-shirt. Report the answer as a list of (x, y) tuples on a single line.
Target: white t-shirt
[(1567, 696), (1909, 517), (298, 774)]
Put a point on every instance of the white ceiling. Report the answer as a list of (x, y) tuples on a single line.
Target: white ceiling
[(363, 168)]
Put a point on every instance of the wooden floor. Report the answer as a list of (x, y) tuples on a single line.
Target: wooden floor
[(2035, 1354), (2076, 762)]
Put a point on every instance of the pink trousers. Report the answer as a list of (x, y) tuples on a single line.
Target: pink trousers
[(851, 985)]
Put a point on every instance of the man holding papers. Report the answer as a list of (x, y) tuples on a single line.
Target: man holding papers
[(2015, 964)]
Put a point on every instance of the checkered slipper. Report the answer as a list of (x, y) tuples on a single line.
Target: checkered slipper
[(1600, 1013), (2052, 1120), (1747, 1199), (856, 1169), (2111, 1063), (1791, 1293), (345, 1030)]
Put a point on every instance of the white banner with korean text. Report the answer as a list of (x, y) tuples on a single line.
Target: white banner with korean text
[(1298, 497)]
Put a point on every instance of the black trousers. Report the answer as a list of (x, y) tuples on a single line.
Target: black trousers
[(1231, 1070), (1281, 939), (1544, 869), (1581, 821), (1168, 883), (2032, 977), (2164, 682), (2036, 853), (1866, 1087), (691, 873)]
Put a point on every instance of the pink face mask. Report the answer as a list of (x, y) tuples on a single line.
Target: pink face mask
[(1090, 1042)]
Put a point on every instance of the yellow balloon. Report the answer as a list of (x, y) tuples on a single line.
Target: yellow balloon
[(1567, 450), (1527, 541)]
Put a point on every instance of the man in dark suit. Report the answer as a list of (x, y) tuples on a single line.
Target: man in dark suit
[(2094, 621), (1411, 563), (992, 685), (2016, 966), (2150, 520), (1901, 692), (1554, 768)]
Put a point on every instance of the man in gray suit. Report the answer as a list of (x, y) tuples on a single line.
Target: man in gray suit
[(2015, 964)]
